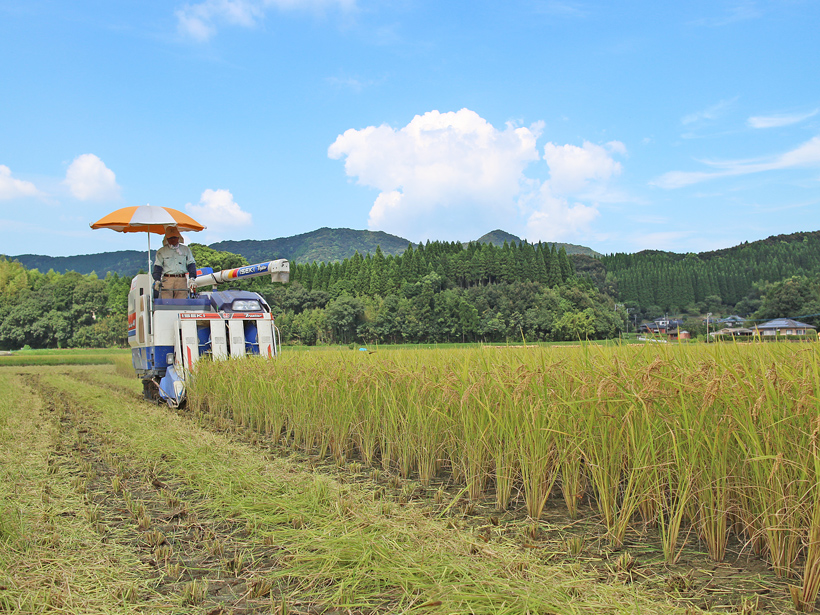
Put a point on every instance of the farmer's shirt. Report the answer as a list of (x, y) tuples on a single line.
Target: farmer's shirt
[(174, 260)]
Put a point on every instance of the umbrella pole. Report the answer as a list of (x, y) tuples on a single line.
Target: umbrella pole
[(151, 287)]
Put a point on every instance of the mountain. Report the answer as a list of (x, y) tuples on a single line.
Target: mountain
[(124, 262), (498, 237), (727, 281), (324, 244)]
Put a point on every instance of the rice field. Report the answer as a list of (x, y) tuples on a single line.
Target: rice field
[(112, 505), (586, 479), (707, 445), (64, 356)]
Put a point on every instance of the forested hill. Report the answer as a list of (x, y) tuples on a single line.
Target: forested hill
[(498, 237), (324, 245), (447, 292), (434, 292), (721, 280), (124, 262)]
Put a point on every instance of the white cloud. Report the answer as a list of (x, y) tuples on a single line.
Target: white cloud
[(572, 168), (200, 20), (11, 188), (806, 155), (739, 11), (776, 121), (710, 113), (556, 218), (346, 82), (447, 173), (582, 172), (89, 179), (217, 209)]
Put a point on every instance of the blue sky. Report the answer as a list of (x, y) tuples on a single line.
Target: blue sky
[(620, 126)]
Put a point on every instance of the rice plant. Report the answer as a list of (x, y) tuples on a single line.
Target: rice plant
[(701, 440)]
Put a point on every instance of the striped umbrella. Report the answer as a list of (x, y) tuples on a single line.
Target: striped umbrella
[(147, 219)]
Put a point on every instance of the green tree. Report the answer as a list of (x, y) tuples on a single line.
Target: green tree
[(208, 257), (344, 315), (796, 297), (378, 274), (576, 325)]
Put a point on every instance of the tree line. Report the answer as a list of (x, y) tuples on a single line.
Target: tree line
[(450, 292), (51, 310), (445, 292), (54, 310), (456, 264), (436, 292), (734, 280)]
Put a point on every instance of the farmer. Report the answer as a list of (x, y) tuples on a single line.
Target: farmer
[(173, 263)]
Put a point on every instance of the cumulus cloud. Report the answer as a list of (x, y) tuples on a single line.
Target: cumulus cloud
[(776, 121), (455, 172), (804, 156), (11, 188), (572, 168), (554, 218), (217, 209), (89, 179), (201, 20), (556, 211)]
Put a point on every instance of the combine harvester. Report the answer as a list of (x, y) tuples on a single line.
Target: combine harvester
[(168, 336)]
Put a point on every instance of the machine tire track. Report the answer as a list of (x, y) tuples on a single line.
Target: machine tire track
[(211, 563)]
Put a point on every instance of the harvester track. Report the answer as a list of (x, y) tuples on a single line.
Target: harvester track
[(213, 565)]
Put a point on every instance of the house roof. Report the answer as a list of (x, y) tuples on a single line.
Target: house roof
[(785, 323), (732, 331)]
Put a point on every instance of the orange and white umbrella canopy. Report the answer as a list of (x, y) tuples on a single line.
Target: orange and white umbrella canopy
[(147, 219)]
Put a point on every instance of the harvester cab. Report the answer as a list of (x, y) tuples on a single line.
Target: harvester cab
[(168, 336)]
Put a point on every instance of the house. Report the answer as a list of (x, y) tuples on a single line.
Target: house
[(731, 332), (732, 321), (783, 326), (660, 326), (670, 328), (678, 334)]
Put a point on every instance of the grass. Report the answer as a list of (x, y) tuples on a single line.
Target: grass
[(63, 356), (225, 525), (51, 557)]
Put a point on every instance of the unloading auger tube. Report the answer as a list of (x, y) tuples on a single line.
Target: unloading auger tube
[(168, 336), (279, 271)]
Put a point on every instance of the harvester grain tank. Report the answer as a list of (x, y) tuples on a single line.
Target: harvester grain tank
[(168, 336)]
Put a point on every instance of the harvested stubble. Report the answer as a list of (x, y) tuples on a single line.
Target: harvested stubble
[(710, 439)]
